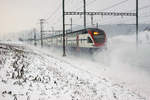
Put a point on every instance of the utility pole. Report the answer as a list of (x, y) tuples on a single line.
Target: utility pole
[(64, 48), (52, 30), (34, 31), (71, 24), (137, 24), (97, 24), (92, 20), (41, 25), (84, 13)]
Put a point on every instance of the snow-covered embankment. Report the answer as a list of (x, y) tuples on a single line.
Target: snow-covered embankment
[(27, 74)]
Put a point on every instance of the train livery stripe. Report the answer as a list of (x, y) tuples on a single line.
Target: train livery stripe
[(96, 44)]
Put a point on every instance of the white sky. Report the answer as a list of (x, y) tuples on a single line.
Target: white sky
[(18, 15)]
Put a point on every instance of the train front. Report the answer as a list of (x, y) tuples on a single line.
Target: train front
[(98, 38)]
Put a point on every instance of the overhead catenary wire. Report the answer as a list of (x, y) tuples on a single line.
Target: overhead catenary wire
[(145, 16), (131, 19), (144, 7), (89, 3), (145, 21), (114, 5), (141, 8), (54, 12)]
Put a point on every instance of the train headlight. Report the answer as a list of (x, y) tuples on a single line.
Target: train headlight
[(96, 33)]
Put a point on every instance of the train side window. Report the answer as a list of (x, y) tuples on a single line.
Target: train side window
[(89, 40), (84, 31)]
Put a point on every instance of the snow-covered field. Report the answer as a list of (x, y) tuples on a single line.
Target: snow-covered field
[(120, 73), (122, 62), (30, 74)]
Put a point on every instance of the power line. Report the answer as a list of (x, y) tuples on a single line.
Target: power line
[(55, 11), (141, 8), (86, 4), (145, 21), (145, 16), (117, 4), (107, 7), (89, 3), (147, 6), (114, 5), (126, 20)]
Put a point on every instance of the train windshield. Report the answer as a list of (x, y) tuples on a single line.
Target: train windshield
[(99, 36)]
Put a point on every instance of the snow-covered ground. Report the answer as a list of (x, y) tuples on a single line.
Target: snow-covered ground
[(120, 73), (30, 74), (122, 62)]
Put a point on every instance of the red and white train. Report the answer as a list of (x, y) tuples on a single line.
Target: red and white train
[(85, 39)]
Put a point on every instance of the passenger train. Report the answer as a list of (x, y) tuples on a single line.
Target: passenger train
[(85, 39)]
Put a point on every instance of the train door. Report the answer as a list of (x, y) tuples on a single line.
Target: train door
[(77, 42)]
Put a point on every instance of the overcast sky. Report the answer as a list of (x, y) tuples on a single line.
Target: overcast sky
[(18, 15)]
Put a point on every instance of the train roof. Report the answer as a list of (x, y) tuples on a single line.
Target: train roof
[(83, 31)]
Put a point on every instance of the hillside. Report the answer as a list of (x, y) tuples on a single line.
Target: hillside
[(29, 74)]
